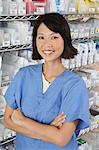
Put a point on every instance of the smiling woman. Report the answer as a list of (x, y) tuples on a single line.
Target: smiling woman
[(57, 24), (47, 105), (50, 45)]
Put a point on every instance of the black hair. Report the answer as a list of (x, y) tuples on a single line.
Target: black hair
[(58, 24)]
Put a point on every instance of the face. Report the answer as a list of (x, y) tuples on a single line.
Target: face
[(50, 45)]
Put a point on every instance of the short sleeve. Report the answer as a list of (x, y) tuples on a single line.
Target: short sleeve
[(76, 105), (14, 91)]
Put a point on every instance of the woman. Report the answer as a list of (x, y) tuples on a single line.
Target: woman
[(47, 105)]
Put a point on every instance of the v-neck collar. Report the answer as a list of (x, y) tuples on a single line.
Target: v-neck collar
[(54, 86)]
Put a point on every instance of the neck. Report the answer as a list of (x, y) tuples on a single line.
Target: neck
[(53, 69)]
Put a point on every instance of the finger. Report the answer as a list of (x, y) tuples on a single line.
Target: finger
[(18, 110), (60, 126), (60, 115), (57, 119), (61, 118), (60, 122)]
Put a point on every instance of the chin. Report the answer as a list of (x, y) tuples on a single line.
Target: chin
[(47, 58), (50, 58)]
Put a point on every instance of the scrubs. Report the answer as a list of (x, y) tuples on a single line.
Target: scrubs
[(67, 93)]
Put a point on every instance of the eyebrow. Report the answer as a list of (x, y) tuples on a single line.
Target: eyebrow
[(50, 34)]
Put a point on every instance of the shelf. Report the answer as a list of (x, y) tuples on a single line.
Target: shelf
[(94, 112), (69, 17), (18, 18), (1, 116), (29, 46), (85, 39), (6, 141), (91, 138), (81, 17), (5, 83), (15, 48)]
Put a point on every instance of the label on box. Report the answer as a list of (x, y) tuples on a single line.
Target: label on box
[(40, 10), (6, 43), (75, 35), (92, 31), (87, 34), (5, 78), (72, 10), (81, 35), (92, 10), (57, 2), (22, 9), (97, 30), (28, 39), (6, 40), (72, 34), (13, 9), (15, 42), (42, 4)]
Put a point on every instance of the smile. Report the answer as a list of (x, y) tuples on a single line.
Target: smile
[(48, 52)]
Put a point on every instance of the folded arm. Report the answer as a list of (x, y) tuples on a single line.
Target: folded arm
[(33, 129)]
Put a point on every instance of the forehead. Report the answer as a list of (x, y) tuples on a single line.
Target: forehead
[(44, 29)]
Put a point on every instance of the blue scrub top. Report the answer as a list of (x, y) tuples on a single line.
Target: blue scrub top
[(67, 94)]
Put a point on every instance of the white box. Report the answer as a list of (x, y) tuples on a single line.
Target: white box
[(1, 10), (39, 10), (6, 41), (0, 61), (14, 36), (13, 8), (22, 8), (5, 7), (1, 36)]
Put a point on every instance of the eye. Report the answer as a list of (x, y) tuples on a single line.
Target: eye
[(54, 37), (41, 37)]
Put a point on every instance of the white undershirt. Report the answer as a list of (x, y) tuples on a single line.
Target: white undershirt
[(46, 84)]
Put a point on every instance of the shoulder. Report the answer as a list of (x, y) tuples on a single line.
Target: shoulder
[(73, 80), (30, 68), (27, 71), (72, 76)]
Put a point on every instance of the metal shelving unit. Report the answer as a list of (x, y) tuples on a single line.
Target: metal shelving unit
[(85, 39), (18, 17), (81, 17), (15, 48), (29, 46), (69, 17), (8, 144)]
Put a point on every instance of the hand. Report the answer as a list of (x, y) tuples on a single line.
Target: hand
[(17, 116), (59, 120)]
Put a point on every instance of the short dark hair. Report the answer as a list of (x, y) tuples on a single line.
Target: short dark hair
[(58, 24)]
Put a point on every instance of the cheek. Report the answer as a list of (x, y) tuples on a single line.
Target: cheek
[(39, 49), (60, 45), (38, 45)]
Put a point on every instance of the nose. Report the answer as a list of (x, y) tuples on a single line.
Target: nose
[(48, 43)]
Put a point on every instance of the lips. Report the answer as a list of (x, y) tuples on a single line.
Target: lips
[(48, 52)]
